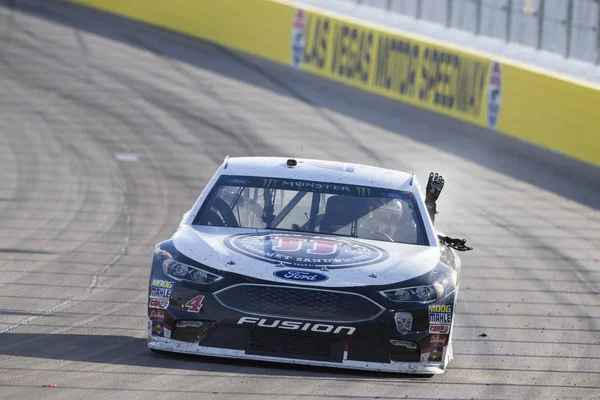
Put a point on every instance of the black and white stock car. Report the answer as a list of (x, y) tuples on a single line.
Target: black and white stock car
[(308, 262)]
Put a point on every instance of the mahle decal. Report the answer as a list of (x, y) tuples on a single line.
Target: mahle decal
[(160, 293), (440, 318)]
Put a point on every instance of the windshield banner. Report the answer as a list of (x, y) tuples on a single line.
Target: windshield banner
[(312, 186)]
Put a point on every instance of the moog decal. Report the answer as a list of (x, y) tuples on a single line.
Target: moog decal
[(439, 308), (159, 283)]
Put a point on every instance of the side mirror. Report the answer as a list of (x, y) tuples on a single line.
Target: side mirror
[(183, 218)]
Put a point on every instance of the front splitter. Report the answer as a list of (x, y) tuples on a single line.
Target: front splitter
[(176, 346)]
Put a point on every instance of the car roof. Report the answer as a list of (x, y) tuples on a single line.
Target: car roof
[(320, 171)]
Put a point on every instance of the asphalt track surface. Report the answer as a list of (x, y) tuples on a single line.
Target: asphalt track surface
[(79, 219)]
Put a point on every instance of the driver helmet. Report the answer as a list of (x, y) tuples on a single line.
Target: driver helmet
[(384, 215)]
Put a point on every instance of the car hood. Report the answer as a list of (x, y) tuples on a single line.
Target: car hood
[(302, 258)]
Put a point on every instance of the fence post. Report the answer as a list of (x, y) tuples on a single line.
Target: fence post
[(477, 17), (540, 24), (509, 6), (569, 32), (388, 5), (419, 9), (448, 13)]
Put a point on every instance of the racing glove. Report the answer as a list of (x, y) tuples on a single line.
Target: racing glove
[(435, 184)]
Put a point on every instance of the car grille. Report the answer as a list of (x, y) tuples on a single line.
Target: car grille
[(299, 303), (294, 345)]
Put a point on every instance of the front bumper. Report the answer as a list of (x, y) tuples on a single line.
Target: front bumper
[(176, 346), (245, 318), (373, 345)]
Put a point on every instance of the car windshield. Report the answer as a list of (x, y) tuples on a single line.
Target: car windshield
[(315, 207)]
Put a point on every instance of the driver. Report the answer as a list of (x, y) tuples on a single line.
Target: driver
[(389, 219)]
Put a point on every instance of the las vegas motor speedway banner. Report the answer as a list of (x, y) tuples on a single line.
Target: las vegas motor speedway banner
[(546, 109)]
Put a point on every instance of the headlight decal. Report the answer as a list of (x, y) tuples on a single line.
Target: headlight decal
[(420, 294), (434, 286), (188, 273)]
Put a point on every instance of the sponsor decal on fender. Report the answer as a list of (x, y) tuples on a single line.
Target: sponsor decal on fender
[(440, 318), (159, 283), (158, 328), (160, 293), (436, 353), (440, 308), (306, 251), (438, 340), (297, 325), (156, 314), (443, 329), (160, 304)]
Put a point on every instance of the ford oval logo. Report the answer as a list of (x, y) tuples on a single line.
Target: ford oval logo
[(300, 276)]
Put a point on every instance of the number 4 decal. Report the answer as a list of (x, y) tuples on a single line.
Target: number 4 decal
[(195, 304)]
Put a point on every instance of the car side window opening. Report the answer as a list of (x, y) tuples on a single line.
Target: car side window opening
[(314, 207)]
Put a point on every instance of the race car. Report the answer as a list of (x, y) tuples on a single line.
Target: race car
[(309, 262)]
